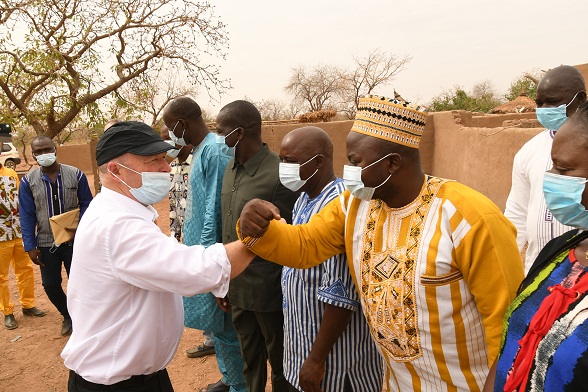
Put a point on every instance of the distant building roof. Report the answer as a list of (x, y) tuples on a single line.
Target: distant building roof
[(521, 104)]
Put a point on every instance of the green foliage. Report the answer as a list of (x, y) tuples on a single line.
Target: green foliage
[(63, 58), (521, 85), (481, 99)]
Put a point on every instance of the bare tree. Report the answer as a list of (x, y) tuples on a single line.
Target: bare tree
[(75, 52), (293, 109), (377, 69), (317, 87), (271, 109), (148, 94), (484, 89)]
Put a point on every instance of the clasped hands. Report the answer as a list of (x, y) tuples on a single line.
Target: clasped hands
[(256, 217)]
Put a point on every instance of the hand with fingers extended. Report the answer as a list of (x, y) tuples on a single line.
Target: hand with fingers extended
[(256, 216), (35, 255)]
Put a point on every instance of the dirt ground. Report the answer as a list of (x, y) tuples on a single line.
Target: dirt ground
[(30, 360)]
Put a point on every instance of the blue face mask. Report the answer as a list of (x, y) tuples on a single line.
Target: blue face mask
[(554, 118), (563, 195)]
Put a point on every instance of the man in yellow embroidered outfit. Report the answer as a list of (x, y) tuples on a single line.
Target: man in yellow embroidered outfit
[(435, 263)]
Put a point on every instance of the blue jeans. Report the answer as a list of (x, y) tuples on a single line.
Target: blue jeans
[(51, 274)]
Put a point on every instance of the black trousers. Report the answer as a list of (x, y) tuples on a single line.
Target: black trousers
[(51, 274), (156, 382)]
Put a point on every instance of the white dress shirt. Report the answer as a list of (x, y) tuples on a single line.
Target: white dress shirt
[(525, 206), (125, 287)]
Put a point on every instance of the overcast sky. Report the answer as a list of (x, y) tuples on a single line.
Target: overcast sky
[(451, 42)]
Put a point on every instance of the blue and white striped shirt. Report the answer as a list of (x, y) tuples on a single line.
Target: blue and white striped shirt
[(305, 294)]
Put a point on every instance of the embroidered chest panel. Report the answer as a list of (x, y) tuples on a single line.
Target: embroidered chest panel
[(388, 277)]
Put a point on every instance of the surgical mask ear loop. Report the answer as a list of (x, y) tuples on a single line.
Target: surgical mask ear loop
[(385, 181), (316, 155), (120, 179), (373, 163), (569, 103), (177, 140)]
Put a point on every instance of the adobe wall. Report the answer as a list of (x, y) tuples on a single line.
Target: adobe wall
[(497, 120), (484, 120), (478, 157), (337, 131), (76, 155), (82, 156)]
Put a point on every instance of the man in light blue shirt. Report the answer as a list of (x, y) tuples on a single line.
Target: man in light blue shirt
[(202, 226)]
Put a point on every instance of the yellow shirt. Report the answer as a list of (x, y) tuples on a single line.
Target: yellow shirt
[(435, 277)]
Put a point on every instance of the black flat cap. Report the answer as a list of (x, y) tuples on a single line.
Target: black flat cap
[(129, 136)]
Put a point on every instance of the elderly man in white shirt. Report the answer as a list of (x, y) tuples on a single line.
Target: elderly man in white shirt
[(127, 278)]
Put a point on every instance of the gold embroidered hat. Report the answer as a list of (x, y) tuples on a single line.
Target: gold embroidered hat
[(389, 119)]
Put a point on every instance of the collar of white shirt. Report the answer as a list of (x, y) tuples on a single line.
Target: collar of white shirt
[(126, 203)]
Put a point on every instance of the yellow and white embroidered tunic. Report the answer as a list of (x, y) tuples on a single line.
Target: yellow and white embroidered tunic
[(435, 278)]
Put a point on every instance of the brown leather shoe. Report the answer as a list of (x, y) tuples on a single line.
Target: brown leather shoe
[(34, 312), (66, 327), (10, 322)]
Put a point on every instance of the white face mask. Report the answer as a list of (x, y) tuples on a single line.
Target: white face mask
[(222, 140), (177, 140), (155, 186), (290, 175), (353, 182), (46, 159), (172, 153)]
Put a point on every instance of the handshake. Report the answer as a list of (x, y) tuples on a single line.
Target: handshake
[(256, 217)]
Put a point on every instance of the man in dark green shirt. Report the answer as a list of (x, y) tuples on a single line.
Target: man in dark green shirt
[(255, 296)]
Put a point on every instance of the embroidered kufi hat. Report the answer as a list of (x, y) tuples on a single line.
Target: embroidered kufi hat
[(389, 119)]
